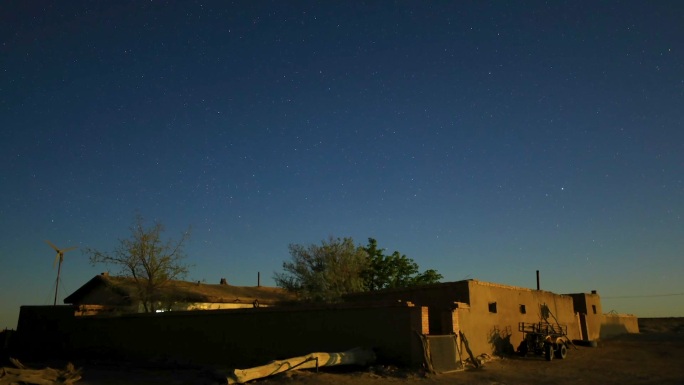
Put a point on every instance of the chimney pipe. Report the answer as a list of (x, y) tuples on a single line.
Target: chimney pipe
[(258, 279), (537, 279)]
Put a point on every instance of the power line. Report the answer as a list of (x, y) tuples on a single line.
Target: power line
[(644, 296)]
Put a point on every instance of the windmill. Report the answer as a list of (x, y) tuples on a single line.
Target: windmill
[(60, 257)]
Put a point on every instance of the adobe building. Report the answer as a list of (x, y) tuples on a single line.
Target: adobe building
[(489, 313), (118, 295), (393, 322)]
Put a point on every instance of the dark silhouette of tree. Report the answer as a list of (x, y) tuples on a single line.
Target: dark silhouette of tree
[(393, 271), (147, 259)]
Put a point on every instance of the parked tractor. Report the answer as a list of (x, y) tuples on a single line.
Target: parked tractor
[(545, 339)]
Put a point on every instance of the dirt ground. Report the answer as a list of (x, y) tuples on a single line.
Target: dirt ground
[(646, 358)]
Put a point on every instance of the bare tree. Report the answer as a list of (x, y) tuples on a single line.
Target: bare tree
[(147, 259)]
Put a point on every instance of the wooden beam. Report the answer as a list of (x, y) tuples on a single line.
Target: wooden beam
[(356, 356)]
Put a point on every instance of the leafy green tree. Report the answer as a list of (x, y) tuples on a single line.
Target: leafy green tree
[(325, 272), (393, 271), (147, 259)]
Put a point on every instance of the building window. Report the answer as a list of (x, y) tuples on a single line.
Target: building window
[(523, 310), (593, 308), (492, 307)]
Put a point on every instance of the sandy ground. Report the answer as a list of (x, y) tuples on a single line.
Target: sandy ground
[(646, 358)]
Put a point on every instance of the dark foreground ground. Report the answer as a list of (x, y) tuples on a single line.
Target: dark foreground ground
[(655, 356)]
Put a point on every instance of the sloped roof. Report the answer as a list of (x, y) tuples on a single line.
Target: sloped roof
[(182, 291)]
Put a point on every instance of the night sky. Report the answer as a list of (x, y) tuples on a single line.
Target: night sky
[(485, 140)]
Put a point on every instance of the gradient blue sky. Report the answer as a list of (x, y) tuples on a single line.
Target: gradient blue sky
[(486, 140)]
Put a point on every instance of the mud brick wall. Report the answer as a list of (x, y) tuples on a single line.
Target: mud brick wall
[(43, 331), (490, 322), (616, 324), (240, 338)]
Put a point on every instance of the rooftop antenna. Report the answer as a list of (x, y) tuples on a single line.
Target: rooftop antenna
[(60, 257)]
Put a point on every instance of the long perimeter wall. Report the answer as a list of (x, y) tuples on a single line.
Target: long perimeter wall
[(227, 338), (616, 324)]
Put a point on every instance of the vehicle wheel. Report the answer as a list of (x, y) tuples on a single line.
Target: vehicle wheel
[(561, 351), (548, 352)]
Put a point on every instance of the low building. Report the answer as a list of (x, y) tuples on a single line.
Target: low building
[(489, 314), (118, 295), (395, 322)]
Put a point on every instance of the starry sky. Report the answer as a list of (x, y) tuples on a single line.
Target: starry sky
[(485, 140)]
